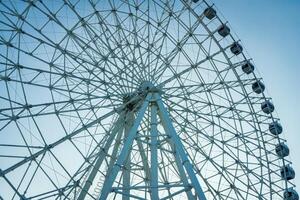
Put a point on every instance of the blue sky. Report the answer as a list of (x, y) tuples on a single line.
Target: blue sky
[(270, 32)]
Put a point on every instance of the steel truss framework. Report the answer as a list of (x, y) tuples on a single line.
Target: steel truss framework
[(130, 99), (122, 162)]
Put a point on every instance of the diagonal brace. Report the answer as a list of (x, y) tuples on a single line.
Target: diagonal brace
[(100, 158), (167, 124), (125, 150)]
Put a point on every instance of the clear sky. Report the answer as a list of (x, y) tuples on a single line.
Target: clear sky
[(270, 32)]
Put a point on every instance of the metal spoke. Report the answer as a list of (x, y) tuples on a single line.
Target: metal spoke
[(127, 99)]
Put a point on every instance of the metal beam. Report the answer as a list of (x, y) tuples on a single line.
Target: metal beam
[(100, 157), (107, 186), (144, 158), (153, 148), (167, 123), (129, 118), (181, 171), (114, 152), (60, 141)]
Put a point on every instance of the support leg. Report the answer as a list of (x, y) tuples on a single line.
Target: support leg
[(167, 124), (127, 145), (129, 117), (100, 158), (181, 171), (153, 148)]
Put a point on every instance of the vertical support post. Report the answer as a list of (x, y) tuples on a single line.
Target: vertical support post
[(153, 148), (166, 121), (124, 152), (129, 117), (101, 156)]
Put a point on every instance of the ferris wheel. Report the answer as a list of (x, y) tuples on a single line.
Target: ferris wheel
[(133, 99)]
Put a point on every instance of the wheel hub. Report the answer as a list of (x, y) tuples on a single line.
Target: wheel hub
[(134, 99)]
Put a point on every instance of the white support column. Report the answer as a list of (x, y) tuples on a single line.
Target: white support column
[(124, 152), (115, 151), (100, 157), (129, 118), (153, 148), (144, 161), (181, 170), (167, 123), (154, 162)]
